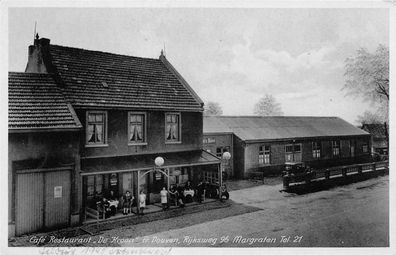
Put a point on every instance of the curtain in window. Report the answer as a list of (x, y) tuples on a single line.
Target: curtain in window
[(99, 132), (91, 134)]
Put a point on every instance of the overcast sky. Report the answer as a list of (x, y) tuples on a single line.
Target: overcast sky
[(230, 56)]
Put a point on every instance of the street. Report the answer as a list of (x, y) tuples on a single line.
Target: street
[(356, 215)]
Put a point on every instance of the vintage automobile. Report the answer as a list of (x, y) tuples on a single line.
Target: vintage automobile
[(297, 172)]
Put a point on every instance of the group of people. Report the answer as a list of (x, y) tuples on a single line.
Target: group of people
[(177, 194)]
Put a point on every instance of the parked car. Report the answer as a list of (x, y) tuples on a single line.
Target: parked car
[(297, 172)]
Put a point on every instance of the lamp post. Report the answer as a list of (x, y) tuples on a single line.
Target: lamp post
[(226, 156), (159, 161)]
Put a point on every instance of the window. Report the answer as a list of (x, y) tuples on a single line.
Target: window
[(137, 128), (172, 125), (210, 177), (336, 148), (94, 185), (96, 128), (220, 151), (364, 148), (264, 154), (293, 152), (316, 149)]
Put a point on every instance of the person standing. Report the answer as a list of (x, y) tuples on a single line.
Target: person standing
[(200, 191), (224, 193), (173, 195), (142, 202), (164, 198), (128, 198)]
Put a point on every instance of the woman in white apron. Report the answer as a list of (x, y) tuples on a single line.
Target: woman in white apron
[(142, 201)]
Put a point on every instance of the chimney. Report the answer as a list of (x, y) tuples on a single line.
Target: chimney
[(38, 55)]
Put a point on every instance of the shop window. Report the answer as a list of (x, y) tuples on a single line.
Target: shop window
[(137, 129), (210, 177), (96, 128), (94, 189), (316, 149), (335, 147), (172, 127)]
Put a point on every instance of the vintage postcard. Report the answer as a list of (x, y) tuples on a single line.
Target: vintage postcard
[(137, 128)]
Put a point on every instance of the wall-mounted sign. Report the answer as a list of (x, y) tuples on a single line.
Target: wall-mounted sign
[(57, 191), (209, 140), (158, 176), (113, 179)]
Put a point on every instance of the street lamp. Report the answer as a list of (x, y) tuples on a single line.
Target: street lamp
[(226, 156), (159, 161)]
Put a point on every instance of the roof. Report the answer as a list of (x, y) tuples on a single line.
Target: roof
[(213, 124), (376, 130), (35, 102), (145, 162), (100, 79), (253, 128)]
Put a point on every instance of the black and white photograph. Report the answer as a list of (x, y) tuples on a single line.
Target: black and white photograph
[(155, 128)]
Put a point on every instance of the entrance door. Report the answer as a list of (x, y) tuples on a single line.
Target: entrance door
[(57, 199), (42, 200)]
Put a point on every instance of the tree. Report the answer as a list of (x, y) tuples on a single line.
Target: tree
[(369, 118), (212, 109), (367, 75), (267, 106)]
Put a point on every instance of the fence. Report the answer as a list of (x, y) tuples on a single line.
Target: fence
[(341, 172)]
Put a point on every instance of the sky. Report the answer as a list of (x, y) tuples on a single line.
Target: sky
[(230, 56)]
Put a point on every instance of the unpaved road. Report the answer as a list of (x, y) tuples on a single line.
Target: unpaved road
[(356, 215)]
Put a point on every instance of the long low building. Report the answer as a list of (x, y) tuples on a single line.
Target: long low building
[(265, 144)]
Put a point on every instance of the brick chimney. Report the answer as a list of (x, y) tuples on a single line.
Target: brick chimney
[(38, 56)]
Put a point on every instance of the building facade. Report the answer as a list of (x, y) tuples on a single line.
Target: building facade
[(265, 144), (129, 111), (380, 138), (43, 155)]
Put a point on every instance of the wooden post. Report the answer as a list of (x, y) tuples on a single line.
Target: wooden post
[(360, 169), (138, 193), (220, 179), (168, 172), (327, 174)]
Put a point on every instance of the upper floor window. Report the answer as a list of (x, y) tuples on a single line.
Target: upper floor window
[(336, 147), (172, 127), (316, 149), (137, 128), (96, 128), (264, 154)]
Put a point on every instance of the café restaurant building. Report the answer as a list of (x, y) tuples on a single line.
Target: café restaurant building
[(127, 111)]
